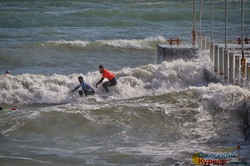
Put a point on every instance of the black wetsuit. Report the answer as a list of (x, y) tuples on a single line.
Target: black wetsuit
[(105, 85)]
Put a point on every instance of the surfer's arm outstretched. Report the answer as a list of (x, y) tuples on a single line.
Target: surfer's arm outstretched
[(99, 82), (76, 88)]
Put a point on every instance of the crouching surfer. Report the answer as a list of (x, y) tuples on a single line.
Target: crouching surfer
[(86, 88), (109, 75)]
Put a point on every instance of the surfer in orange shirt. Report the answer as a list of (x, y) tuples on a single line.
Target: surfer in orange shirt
[(109, 75)]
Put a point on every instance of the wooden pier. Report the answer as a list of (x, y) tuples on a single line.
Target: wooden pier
[(231, 62)]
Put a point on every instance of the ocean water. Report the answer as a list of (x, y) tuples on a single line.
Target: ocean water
[(158, 114)]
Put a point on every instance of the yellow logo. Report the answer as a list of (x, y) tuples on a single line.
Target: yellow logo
[(195, 159)]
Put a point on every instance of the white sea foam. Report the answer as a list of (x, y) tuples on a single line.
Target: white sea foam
[(12, 128), (148, 80), (147, 43), (221, 96), (76, 43), (132, 82)]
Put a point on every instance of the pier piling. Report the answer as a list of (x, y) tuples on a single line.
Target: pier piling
[(231, 67), (248, 71), (237, 69), (221, 61), (212, 52), (226, 68), (216, 59)]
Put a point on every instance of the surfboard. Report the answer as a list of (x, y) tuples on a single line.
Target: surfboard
[(6, 109)]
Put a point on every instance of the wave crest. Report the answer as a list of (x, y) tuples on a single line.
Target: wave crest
[(148, 43), (132, 82)]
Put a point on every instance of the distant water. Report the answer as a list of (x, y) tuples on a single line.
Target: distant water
[(75, 36), (158, 114)]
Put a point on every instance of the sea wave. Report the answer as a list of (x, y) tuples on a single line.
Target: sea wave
[(147, 43), (148, 80), (145, 80)]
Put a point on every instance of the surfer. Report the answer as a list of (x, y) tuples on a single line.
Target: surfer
[(109, 75), (86, 88)]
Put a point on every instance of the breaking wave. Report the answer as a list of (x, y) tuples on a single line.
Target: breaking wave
[(148, 43), (146, 80)]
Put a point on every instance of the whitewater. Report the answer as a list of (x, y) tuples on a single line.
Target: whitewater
[(148, 80)]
